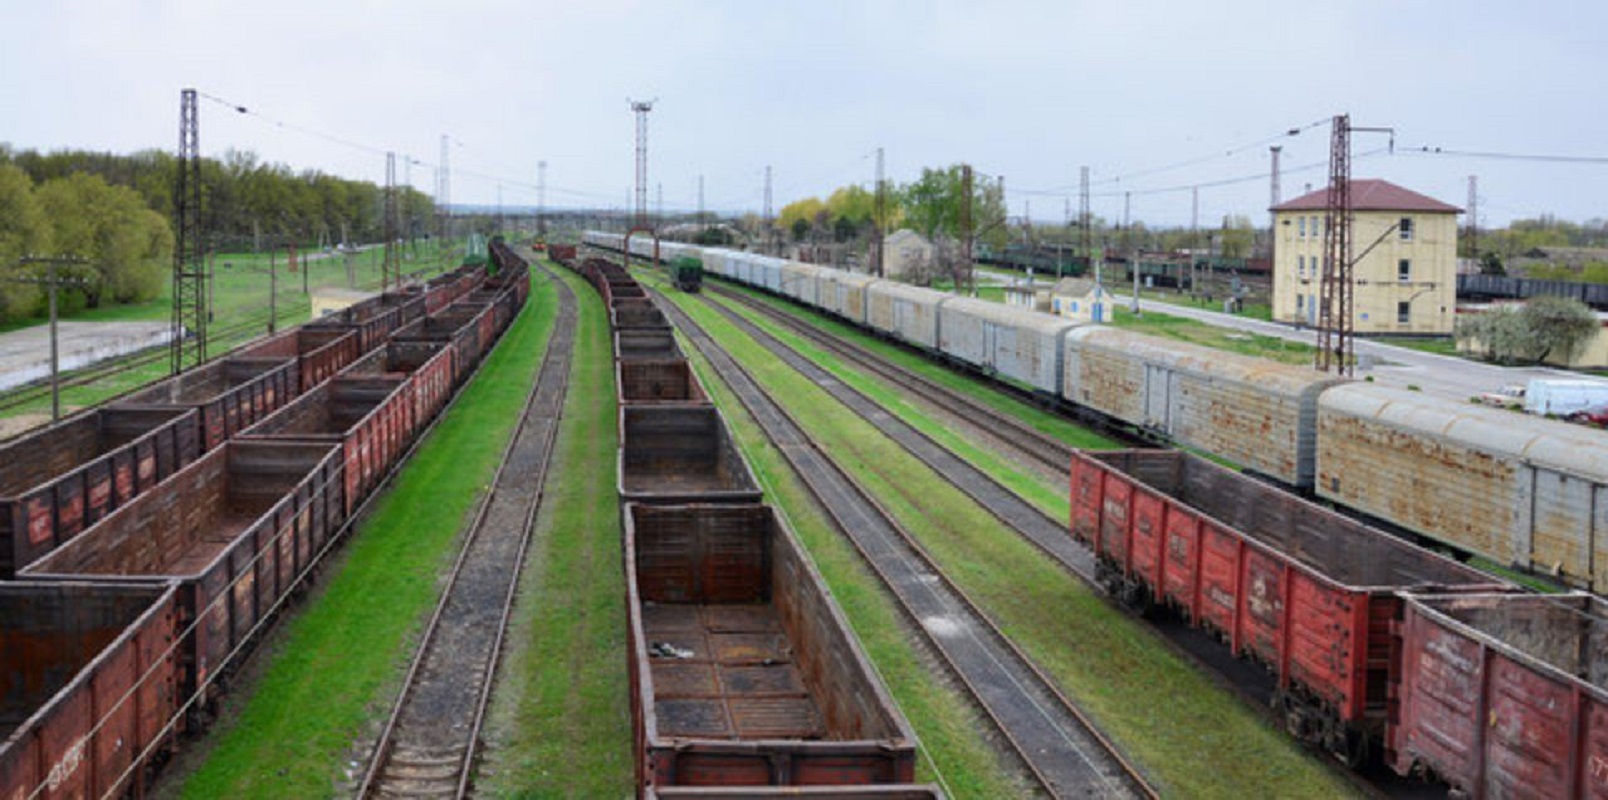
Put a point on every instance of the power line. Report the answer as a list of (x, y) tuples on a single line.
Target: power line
[(1542, 157)]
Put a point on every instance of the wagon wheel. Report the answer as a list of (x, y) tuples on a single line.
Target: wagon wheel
[(1353, 750)]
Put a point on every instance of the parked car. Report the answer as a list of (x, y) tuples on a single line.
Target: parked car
[(1595, 417)]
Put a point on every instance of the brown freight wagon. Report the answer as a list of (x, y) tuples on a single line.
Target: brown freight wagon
[(372, 419), (1505, 695), (236, 530), (427, 365), (231, 394), (743, 670), (460, 333), (446, 289), (87, 686), (669, 380), (889, 791), (654, 344), (56, 481), (319, 352), (1300, 588), (681, 454)]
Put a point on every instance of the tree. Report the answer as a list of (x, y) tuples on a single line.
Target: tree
[(1558, 324), (1491, 264), (1545, 325), (127, 244), (1237, 236), (23, 231), (805, 211)]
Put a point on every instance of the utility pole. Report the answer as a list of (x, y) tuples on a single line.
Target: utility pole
[(1474, 219), (700, 200), (965, 220), (881, 219), (1273, 199), (541, 201), (499, 209), (641, 108), (766, 217), (391, 270), (1085, 243), (52, 283), (658, 204), (1194, 234), (189, 251)]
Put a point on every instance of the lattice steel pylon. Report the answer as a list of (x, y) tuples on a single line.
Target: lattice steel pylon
[(1335, 306), (391, 270), (189, 251), (641, 108)]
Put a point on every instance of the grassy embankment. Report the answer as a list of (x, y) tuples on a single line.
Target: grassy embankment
[(240, 300), (329, 671), (560, 716), (1117, 668)]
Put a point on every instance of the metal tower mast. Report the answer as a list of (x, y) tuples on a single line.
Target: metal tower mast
[(641, 108), (1334, 299), (189, 252), (879, 219), (444, 195), (391, 270), (1473, 217), (1085, 235)]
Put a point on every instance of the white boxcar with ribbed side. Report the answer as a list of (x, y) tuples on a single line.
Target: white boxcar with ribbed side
[(768, 273), (1519, 489), (844, 293), (798, 281), (1016, 343), (905, 312), (1258, 414)]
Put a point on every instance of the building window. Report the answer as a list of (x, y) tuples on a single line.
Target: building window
[(1404, 270), (1302, 235), (1300, 303), (1406, 229), (1404, 312), (1300, 267), (1317, 227)]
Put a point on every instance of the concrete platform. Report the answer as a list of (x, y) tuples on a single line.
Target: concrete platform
[(25, 354)]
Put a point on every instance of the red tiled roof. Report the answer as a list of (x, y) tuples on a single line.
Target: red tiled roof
[(1371, 194)]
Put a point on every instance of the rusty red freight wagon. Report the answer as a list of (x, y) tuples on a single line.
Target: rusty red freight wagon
[(371, 419), (56, 481), (319, 352), (1300, 588), (374, 319), (637, 313), (1505, 695), (87, 686), (668, 380), (455, 330), (230, 394), (681, 454), (236, 530), (444, 290), (743, 670), (426, 365)]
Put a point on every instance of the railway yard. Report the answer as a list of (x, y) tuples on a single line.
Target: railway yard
[(567, 526)]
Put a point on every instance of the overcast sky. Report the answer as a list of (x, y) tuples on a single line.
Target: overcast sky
[(1028, 91)]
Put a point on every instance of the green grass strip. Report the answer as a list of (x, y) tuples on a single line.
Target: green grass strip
[(334, 668), (1165, 714), (561, 713)]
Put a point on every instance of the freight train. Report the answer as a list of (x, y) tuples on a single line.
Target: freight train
[(145, 544), (744, 672), (1373, 643), (1520, 490)]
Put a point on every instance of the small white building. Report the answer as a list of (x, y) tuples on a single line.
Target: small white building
[(904, 249), (1082, 300)]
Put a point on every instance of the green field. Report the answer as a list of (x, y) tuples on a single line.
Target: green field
[(323, 678)]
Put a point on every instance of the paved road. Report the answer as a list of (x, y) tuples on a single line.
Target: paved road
[(1389, 364)]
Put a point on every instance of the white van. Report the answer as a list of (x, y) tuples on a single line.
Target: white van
[(1560, 397)]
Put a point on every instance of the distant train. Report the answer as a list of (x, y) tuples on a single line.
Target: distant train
[(1521, 490)]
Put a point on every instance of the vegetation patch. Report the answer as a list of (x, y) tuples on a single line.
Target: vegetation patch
[(329, 671), (561, 712)]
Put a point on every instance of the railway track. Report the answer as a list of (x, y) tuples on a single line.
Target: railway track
[(430, 740), (1017, 435), (1064, 752)]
